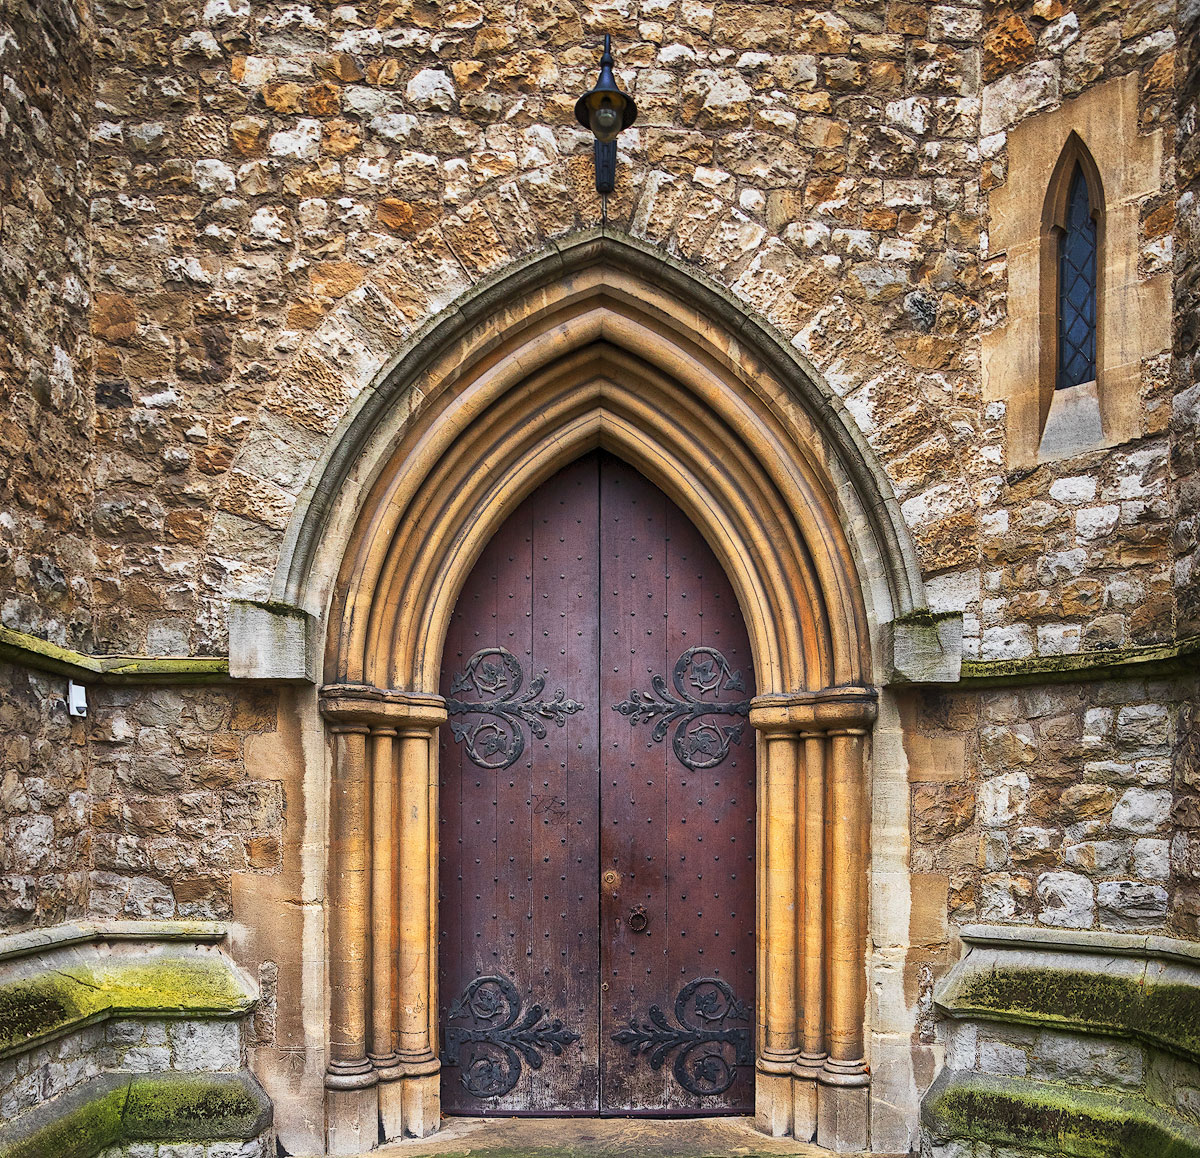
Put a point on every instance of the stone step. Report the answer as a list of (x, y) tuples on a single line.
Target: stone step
[(1051, 1118), (115, 1108), (599, 1138)]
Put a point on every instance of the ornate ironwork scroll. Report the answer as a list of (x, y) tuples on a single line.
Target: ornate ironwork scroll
[(484, 1037), (496, 675), (699, 742), (713, 1037)]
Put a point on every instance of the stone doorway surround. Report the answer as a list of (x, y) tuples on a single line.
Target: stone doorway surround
[(604, 343)]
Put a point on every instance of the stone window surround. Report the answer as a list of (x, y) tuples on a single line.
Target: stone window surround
[(1124, 166)]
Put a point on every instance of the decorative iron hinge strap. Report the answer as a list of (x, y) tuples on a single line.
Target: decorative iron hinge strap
[(709, 1053), (497, 740), (490, 1047), (698, 742)]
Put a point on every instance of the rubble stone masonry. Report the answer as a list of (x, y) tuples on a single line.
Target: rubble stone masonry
[(222, 220), (46, 408)]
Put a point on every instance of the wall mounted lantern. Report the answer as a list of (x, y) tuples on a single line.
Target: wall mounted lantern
[(606, 110)]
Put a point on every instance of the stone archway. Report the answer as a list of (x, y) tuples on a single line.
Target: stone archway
[(577, 352)]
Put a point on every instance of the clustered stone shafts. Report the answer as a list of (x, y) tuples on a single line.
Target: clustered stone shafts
[(44, 838), (1074, 813), (45, 379), (175, 809), (1185, 417)]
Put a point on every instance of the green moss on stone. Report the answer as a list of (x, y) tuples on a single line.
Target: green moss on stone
[(192, 1107), (1164, 1015), (1057, 1120), (54, 1003), (1112, 663), (32, 1009), (183, 984), (143, 1108), (84, 1130)]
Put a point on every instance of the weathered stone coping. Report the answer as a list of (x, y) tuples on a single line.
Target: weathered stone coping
[(1084, 941), (117, 1108), (1099, 984), (31, 941), (85, 977), (42, 655), (1054, 1118), (1167, 659)]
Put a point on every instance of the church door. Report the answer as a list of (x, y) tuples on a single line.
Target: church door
[(596, 878)]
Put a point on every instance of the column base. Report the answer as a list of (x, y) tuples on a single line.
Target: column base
[(842, 1118), (421, 1104), (391, 1102), (804, 1108), (352, 1120), (773, 1103)]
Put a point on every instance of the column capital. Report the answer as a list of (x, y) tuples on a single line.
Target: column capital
[(372, 707), (836, 709)]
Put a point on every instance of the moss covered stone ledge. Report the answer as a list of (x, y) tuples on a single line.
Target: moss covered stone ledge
[(1142, 988), (59, 981), (115, 1109), (1052, 1118)]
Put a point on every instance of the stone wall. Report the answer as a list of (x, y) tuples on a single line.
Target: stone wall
[(1058, 805), (1075, 555), (175, 808), (1185, 420), (44, 839), (45, 272), (283, 156)]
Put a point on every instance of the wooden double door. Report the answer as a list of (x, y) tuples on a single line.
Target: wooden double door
[(596, 884)]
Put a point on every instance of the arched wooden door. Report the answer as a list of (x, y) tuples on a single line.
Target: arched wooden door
[(597, 898)]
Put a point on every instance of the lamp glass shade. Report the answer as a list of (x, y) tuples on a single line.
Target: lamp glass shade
[(605, 118)]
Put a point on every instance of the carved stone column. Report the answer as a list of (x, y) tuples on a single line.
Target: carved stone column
[(779, 878), (842, 1093), (813, 1049), (352, 1107), (417, 941), (382, 1074), (814, 925), (383, 928)]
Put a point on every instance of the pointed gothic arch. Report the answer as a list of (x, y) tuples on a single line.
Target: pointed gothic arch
[(1075, 158), (603, 344)]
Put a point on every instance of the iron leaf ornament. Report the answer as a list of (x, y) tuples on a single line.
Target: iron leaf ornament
[(699, 741), (713, 1037), (497, 739), (487, 1037)]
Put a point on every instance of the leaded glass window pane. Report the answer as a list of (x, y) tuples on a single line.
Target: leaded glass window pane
[(1077, 289)]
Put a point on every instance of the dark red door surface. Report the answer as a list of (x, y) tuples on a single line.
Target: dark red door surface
[(597, 814)]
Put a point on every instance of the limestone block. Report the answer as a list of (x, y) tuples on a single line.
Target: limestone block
[(1131, 904), (270, 641), (1142, 810), (927, 649), (842, 1118), (1096, 1061), (206, 1045), (1068, 900)]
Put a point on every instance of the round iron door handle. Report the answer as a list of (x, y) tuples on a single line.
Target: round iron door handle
[(638, 919)]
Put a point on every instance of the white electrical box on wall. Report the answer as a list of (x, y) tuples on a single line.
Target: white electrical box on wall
[(76, 698)]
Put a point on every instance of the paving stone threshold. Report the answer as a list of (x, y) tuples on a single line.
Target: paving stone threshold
[(598, 1138)]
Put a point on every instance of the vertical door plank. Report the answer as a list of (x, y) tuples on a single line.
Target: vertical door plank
[(694, 823), (518, 835)]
